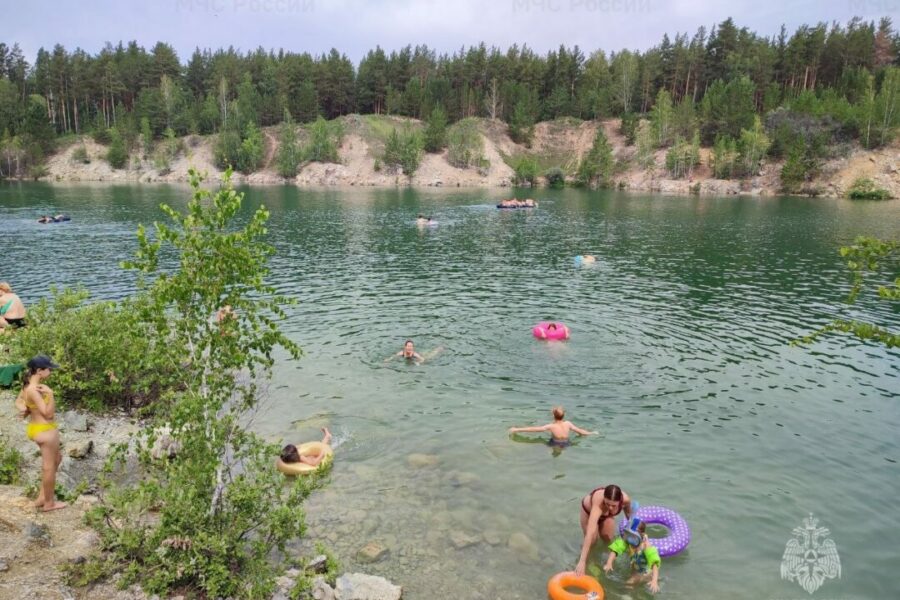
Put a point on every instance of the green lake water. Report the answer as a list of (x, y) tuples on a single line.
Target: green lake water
[(679, 355)]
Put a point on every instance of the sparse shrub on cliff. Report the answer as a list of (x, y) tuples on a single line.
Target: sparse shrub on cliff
[(865, 189), (436, 131), (288, 156), (526, 169), (80, 155), (324, 141), (556, 178), (117, 155), (465, 146), (403, 151)]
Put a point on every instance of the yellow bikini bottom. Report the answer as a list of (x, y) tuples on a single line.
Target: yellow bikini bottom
[(32, 429)]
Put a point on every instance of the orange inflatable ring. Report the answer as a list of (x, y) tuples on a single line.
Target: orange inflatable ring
[(556, 587)]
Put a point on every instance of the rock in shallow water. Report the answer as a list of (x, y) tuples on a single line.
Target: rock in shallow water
[(523, 547), (357, 586), (371, 552), (419, 461)]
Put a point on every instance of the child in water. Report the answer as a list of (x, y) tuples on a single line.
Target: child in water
[(559, 429), (644, 557)]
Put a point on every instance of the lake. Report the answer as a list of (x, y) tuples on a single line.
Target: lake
[(679, 356)]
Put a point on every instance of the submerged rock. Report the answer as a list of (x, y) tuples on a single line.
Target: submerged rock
[(357, 586), (524, 549), (419, 461), (461, 539), (371, 552)]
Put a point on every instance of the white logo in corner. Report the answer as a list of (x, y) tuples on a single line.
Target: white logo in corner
[(810, 557)]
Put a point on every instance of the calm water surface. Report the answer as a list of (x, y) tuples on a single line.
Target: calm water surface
[(679, 356)]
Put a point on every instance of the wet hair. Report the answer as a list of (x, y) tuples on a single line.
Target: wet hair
[(407, 342), (613, 493), (551, 326), (289, 454), (4, 287), (420, 216), (559, 413)]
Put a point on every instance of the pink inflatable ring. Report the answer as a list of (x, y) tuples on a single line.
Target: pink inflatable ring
[(544, 331)]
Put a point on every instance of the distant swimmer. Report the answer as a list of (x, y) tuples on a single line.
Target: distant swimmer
[(559, 429), (410, 355)]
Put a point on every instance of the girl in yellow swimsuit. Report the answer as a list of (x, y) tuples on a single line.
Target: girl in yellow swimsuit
[(36, 402)]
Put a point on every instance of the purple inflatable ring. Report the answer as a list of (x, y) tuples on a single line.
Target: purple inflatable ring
[(679, 532)]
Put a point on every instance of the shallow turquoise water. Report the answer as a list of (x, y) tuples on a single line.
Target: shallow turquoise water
[(679, 356)]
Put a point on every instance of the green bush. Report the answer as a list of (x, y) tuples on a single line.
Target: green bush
[(222, 513), (252, 150), (102, 135), (556, 178), (864, 189), (436, 130), (628, 127), (465, 146), (403, 151), (324, 141), (108, 356), (117, 155), (526, 169), (227, 149), (10, 464)]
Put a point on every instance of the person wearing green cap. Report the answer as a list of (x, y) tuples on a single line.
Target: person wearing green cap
[(643, 556)]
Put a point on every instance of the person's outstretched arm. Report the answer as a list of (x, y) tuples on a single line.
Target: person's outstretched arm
[(537, 429), (581, 431)]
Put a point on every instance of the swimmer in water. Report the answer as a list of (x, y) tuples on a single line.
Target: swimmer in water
[(410, 355), (559, 429)]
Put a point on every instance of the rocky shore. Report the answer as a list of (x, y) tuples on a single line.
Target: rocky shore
[(34, 546)]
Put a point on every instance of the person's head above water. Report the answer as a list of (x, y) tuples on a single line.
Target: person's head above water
[(551, 326), (408, 348), (559, 413), (612, 498), (289, 454)]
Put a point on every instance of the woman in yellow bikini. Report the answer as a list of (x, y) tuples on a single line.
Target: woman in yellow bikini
[(36, 401)]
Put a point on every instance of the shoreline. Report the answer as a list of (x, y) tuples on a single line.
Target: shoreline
[(562, 143)]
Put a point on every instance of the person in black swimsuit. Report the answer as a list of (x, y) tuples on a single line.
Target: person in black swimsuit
[(598, 518)]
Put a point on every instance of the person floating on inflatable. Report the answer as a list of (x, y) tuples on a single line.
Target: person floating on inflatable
[(559, 429), (643, 556), (307, 458), (546, 330)]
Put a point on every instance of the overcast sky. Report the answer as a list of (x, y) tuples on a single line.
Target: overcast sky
[(355, 26)]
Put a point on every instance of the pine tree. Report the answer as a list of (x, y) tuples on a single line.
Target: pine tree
[(436, 130)]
